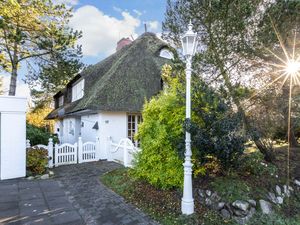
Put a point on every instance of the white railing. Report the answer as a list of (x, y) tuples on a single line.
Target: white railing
[(65, 154), (124, 145)]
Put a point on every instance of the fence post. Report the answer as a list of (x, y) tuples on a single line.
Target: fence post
[(56, 155), (50, 153), (125, 154), (98, 153), (80, 151), (108, 152), (28, 143)]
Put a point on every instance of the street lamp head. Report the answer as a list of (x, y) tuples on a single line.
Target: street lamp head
[(189, 42)]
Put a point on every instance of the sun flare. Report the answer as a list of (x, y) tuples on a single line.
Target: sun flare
[(292, 67)]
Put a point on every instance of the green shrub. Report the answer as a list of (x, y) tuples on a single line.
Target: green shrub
[(254, 164), (36, 160), (215, 128), (231, 188), (158, 162), (38, 135)]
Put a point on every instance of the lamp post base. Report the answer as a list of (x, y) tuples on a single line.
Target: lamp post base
[(187, 207)]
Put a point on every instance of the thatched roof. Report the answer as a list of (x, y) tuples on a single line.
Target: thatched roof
[(122, 81)]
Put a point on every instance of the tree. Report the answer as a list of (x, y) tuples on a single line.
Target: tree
[(36, 31), (233, 37)]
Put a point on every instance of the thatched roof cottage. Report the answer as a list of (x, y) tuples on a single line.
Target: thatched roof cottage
[(106, 99)]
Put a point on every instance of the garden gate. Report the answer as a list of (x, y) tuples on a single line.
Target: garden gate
[(80, 152)]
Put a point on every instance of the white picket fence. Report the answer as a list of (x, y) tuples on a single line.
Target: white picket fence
[(80, 152)]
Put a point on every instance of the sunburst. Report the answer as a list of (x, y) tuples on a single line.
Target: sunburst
[(289, 67)]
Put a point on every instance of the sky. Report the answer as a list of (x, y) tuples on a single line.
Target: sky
[(103, 23)]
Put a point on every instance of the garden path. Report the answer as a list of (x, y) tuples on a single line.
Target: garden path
[(96, 203), (74, 196)]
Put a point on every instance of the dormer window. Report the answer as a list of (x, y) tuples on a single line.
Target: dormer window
[(78, 90), (61, 101), (166, 53)]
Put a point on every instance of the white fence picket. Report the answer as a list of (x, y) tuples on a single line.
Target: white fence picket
[(65, 154)]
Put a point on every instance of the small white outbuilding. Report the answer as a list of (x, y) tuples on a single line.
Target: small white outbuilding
[(12, 137)]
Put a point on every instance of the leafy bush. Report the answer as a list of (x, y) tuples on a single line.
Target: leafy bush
[(36, 160), (215, 128), (254, 164), (38, 135), (215, 132), (231, 188), (211, 166), (158, 162)]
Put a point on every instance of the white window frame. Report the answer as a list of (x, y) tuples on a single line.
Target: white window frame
[(166, 53), (71, 127), (133, 120), (78, 90), (61, 101)]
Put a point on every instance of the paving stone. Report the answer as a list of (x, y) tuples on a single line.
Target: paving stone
[(31, 196), (31, 211), (8, 198), (10, 213), (93, 200), (63, 216), (8, 205), (75, 196), (36, 220)]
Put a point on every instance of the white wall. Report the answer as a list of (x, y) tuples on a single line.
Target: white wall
[(87, 131), (113, 124), (67, 135), (12, 137)]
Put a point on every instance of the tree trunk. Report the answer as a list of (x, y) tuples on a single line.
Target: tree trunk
[(293, 140), (14, 72), (13, 82)]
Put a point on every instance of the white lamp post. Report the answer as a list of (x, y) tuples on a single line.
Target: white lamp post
[(189, 43)]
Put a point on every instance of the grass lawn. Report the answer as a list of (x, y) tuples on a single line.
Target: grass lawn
[(164, 205)]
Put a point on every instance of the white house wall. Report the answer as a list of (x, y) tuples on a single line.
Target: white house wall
[(114, 125), (111, 124), (70, 134), (87, 131)]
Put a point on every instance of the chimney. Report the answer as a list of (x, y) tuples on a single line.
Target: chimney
[(123, 42)]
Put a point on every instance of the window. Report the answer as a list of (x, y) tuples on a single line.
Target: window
[(77, 90), (71, 127), (133, 121), (165, 53), (60, 101)]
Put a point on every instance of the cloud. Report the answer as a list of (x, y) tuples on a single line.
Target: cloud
[(101, 32), (67, 2), (117, 9), (153, 25), (137, 12)]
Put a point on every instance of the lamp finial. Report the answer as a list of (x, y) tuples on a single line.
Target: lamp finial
[(190, 25)]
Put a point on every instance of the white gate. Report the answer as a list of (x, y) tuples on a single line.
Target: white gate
[(89, 152), (80, 152), (65, 154)]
